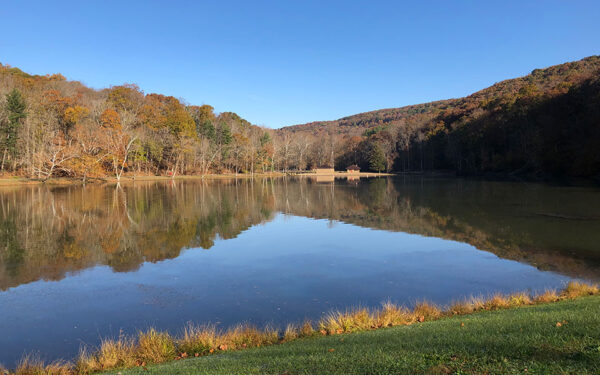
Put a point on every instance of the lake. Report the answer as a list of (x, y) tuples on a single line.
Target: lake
[(81, 263)]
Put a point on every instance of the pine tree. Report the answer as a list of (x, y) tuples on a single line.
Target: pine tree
[(376, 158), (15, 110)]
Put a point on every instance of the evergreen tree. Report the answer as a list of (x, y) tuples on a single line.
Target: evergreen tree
[(15, 110), (376, 158)]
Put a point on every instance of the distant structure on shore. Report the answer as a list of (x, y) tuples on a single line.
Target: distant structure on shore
[(353, 169), (324, 171)]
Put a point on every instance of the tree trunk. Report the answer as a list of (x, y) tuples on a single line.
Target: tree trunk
[(3, 159)]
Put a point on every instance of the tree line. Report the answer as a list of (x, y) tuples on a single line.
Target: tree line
[(54, 127), (545, 123)]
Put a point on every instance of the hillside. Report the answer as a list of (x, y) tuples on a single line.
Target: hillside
[(53, 127), (551, 80), (545, 123), (357, 124)]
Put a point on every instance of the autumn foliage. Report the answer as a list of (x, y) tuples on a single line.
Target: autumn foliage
[(62, 128), (543, 124)]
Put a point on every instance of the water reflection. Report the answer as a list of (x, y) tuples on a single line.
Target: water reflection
[(49, 232)]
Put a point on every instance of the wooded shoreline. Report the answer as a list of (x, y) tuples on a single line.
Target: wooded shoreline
[(59, 181)]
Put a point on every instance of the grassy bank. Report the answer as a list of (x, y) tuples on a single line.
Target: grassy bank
[(494, 335), (522, 340)]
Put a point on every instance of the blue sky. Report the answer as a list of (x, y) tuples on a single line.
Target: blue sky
[(284, 62)]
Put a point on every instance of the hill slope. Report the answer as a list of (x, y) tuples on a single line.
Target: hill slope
[(545, 123)]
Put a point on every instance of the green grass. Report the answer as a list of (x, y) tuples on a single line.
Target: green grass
[(520, 340)]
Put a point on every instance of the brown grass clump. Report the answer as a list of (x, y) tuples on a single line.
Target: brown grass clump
[(392, 315), (307, 329), (337, 322), (112, 353), (576, 289), (460, 308), (120, 352), (33, 365), (550, 295), (332, 323), (154, 346), (245, 336), (270, 336), (519, 299), (198, 339), (86, 362), (496, 302), (478, 303), (426, 311), (290, 333)]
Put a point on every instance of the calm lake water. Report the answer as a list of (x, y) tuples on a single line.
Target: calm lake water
[(78, 264)]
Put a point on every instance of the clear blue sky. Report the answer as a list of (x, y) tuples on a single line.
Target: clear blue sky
[(284, 62)]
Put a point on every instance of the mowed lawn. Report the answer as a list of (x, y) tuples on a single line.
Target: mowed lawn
[(555, 338)]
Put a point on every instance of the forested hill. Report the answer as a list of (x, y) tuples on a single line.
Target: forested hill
[(359, 123), (545, 123), (50, 126)]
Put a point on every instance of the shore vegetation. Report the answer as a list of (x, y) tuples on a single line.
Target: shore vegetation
[(154, 347)]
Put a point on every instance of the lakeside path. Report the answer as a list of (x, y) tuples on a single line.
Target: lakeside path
[(555, 338)]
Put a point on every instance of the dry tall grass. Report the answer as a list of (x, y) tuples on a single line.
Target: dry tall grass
[(337, 322), (392, 315), (550, 295), (198, 340), (306, 330), (576, 289), (156, 347), (426, 311), (33, 365), (291, 332), (153, 346)]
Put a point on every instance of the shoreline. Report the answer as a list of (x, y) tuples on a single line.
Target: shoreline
[(16, 181), (66, 181), (154, 347)]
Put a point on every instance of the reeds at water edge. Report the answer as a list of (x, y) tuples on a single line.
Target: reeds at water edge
[(154, 346)]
